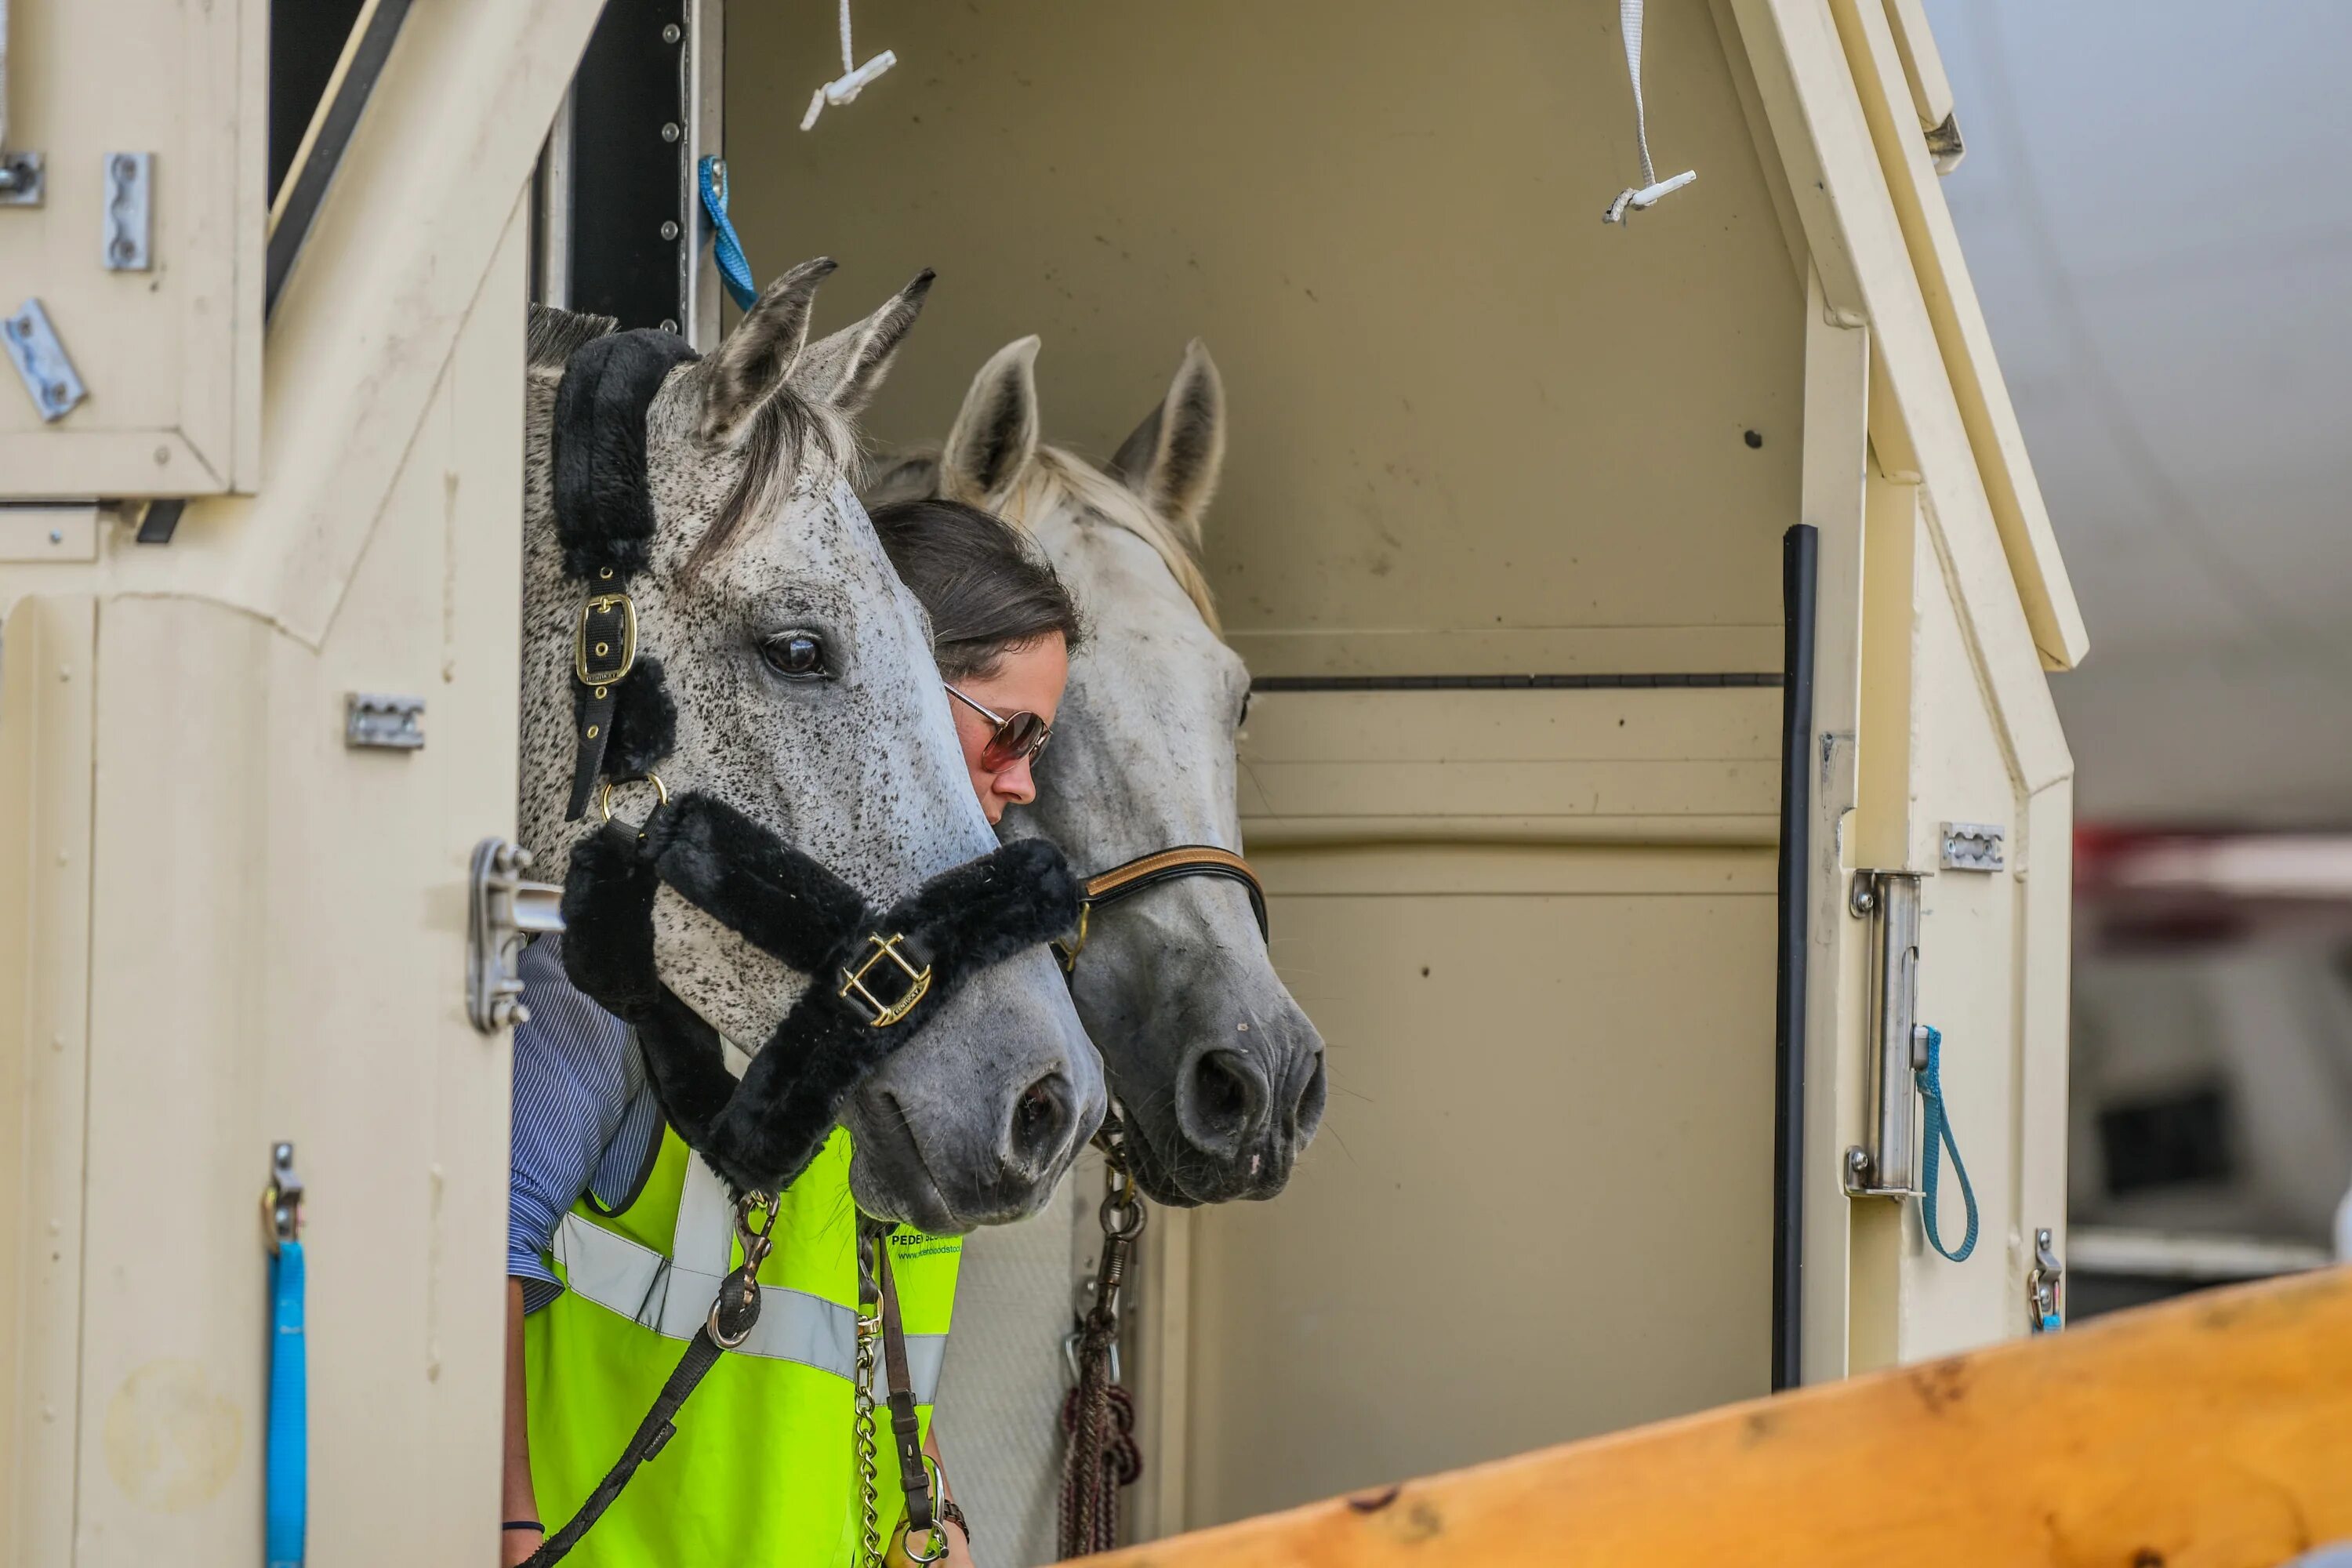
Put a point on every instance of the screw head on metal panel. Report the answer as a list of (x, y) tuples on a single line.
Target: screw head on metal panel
[(669, 324), (670, 228), (670, 133), (671, 33)]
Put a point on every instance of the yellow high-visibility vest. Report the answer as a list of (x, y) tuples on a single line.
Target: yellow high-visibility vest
[(763, 1468)]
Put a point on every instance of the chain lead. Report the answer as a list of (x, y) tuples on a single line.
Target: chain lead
[(870, 1330)]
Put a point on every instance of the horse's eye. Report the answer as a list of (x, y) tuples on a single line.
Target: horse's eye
[(797, 654), (1243, 717)]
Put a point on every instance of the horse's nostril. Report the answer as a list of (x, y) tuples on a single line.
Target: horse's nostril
[(1306, 1111), (1219, 1101), (1040, 1121)]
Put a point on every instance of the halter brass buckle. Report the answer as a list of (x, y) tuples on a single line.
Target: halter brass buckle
[(604, 619), (1067, 951), (918, 982)]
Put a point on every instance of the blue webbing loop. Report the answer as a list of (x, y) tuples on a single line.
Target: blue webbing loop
[(734, 268), (287, 1471), (1938, 1138)]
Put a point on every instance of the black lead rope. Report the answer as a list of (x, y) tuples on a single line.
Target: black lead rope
[(730, 1321)]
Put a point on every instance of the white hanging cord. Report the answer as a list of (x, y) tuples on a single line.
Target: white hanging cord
[(1632, 198), (853, 77)]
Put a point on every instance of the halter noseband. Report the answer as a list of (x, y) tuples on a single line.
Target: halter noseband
[(895, 967)]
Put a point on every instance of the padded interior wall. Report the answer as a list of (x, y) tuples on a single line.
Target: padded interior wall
[(1475, 429)]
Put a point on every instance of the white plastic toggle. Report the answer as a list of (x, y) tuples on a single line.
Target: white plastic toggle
[(854, 78), (1631, 200)]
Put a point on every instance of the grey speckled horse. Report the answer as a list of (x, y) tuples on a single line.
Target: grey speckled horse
[(760, 542), (1220, 1072)]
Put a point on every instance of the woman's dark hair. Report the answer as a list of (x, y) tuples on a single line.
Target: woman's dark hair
[(987, 589)]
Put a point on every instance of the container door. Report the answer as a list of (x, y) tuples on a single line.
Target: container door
[(229, 916)]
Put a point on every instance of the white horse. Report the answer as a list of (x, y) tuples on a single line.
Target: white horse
[(1219, 1072), (806, 695)]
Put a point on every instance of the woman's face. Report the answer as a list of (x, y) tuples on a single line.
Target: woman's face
[(1029, 679)]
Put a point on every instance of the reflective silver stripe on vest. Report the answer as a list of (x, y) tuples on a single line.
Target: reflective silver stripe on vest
[(673, 1300)]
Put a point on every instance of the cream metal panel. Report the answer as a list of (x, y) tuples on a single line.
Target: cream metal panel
[(47, 710), (1540, 1204), (1882, 57), (1837, 375), (1993, 954), (275, 928), (397, 259), (171, 355), (1475, 428)]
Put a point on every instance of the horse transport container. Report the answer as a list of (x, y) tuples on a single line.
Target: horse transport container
[(1501, 538), (1648, 622)]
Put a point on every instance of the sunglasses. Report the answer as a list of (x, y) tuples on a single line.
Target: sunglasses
[(1018, 735)]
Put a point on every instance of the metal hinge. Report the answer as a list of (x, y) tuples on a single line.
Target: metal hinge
[(502, 910), (41, 362)]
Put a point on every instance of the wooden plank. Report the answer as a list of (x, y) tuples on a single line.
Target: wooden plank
[(2211, 1432)]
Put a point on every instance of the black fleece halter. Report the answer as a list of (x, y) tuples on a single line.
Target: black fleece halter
[(894, 968)]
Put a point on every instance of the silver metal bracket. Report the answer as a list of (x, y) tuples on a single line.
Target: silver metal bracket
[(373, 719), (1970, 846), (22, 183), (2042, 1285), (40, 360), (130, 186), (281, 1200), (1945, 146), (501, 912), (1880, 1167)]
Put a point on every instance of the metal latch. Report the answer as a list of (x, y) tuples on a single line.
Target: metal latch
[(502, 910), (2042, 1285), (20, 172), (1881, 1167)]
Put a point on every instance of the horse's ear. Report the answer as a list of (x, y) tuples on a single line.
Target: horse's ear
[(753, 363), (996, 433), (913, 476), (1173, 457), (847, 369)]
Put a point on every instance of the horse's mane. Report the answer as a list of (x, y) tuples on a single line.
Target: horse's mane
[(1058, 477), (776, 444), (554, 336)]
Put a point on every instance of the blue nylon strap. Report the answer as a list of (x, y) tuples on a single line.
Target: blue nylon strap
[(287, 1471), (2052, 1321), (1939, 1138), (734, 268)]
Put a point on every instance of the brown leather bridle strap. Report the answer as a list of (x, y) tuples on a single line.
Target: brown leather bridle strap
[(1168, 865)]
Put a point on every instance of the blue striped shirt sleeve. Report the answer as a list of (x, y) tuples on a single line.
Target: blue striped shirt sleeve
[(583, 1117)]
